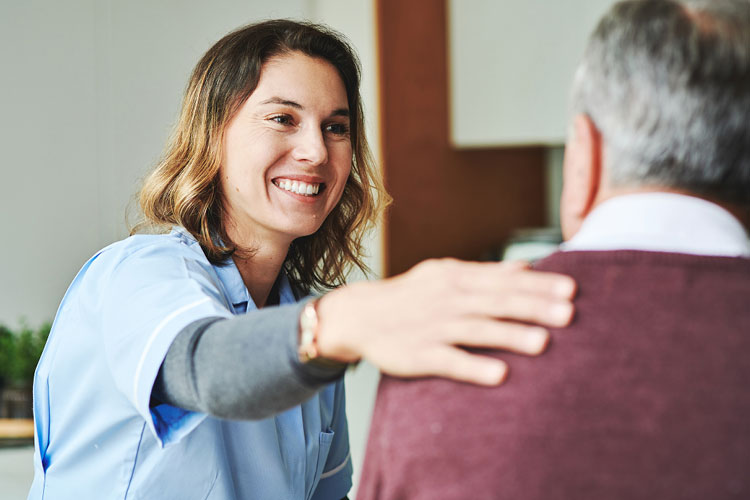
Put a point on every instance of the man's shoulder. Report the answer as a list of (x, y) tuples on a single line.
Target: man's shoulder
[(607, 279), (579, 261)]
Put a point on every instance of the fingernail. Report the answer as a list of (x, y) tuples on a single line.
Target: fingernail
[(565, 287), (537, 340), (496, 373), (562, 313)]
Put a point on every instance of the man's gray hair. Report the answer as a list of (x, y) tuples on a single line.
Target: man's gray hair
[(667, 83)]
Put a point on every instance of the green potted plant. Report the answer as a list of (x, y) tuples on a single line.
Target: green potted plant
[(19, 354), (7, 356)]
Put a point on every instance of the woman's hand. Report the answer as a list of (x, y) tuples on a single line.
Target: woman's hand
[(411, 325)]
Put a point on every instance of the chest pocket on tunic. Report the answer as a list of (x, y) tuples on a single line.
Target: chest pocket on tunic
[(326, 437)]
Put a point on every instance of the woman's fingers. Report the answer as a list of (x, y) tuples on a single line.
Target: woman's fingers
[(518, 306), (457, 364), (514, 337), (504, 277), (552, 284)]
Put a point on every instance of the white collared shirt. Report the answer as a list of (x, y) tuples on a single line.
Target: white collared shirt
[(662, 222)]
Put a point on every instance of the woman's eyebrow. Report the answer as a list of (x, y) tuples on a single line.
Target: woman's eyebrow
[(284, 102), (292, 104)]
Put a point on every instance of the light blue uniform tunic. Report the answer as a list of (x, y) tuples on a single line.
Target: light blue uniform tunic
[(96, 436)]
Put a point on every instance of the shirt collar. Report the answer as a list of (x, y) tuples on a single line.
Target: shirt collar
[(662, 222), (237, 291), (230, 277)]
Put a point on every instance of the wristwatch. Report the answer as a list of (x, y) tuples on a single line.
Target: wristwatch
[(307, 351)]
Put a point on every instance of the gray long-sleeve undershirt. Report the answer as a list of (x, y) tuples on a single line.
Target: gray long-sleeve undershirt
[(244, 367)]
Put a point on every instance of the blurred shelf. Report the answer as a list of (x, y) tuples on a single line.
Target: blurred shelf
[(16, 428)]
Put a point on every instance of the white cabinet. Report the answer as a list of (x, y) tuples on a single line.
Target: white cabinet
[(511, 65)]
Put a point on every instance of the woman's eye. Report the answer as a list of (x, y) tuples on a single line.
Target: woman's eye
[(338, 129), (282, 119)]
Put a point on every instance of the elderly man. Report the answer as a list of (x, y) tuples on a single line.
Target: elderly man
[(645, 395)]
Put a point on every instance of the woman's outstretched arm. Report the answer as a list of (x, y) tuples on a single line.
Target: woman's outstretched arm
[(412, 325), (244, 367)]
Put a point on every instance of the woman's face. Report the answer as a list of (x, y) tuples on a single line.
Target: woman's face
[(287, 152)]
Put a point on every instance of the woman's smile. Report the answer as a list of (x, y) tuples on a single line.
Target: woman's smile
[(302, 188)]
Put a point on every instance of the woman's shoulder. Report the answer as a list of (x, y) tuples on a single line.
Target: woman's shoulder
[(150, 254), (177, 242), (171, 263)]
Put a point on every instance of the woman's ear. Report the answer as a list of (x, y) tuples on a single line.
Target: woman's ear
[(582, 174)]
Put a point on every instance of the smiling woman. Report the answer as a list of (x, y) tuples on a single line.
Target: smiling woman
[(276, 76), (188, 364), (287, 158)]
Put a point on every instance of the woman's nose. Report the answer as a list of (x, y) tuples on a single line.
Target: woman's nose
[(311, 147)]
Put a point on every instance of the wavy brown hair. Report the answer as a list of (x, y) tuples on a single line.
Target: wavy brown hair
[(184, 187)]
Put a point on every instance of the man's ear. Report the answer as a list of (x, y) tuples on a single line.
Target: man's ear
[(582, 174)]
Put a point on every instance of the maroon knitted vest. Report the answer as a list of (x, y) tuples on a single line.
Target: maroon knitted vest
[(644, 396)]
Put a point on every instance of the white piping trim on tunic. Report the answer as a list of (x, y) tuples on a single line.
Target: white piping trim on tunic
[(153, 336), (337, 468)]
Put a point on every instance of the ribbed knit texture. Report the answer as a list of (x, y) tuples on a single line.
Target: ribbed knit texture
[(645, 396)]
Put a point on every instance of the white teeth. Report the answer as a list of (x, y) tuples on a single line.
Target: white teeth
[(299, 187)]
